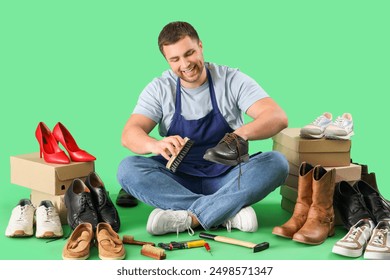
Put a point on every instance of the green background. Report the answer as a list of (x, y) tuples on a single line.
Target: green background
[(84, 63)]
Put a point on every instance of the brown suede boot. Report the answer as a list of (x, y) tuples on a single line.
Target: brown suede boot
[(320, 220), (302, 204)]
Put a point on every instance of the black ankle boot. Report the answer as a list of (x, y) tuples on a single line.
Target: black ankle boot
[(231, 150), (376, 204), (350, 204)]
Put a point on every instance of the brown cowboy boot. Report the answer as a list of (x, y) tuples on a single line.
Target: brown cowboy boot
[(320, 220), (302, 204)]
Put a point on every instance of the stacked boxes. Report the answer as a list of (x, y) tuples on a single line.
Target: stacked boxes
[(327, 153), (47, 181)]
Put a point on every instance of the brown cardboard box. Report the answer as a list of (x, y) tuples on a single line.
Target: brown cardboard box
[(314, 151), (343, 173), (31, 171), (289, 197), (58, 201)]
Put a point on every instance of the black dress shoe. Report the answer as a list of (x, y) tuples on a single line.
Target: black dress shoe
[(106, 210), (376, 204), (78, 201), (231, 150), (126, 200), (350, 204)]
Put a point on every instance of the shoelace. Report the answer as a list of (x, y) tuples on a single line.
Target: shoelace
[(354, 233), (318, 120), (339, 122), (23, 214), (229, 138), (229, 226), (176, 224), (380, 236)]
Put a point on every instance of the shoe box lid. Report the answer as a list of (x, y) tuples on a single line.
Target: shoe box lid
[(328, 153), (348, 173), (289, 137), (58, 201), (31, 171)]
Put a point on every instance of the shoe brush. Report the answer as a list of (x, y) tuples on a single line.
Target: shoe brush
[(175, 161), (153, 252), (129, 239)]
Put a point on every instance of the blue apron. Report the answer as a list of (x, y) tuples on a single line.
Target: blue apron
[(206, 132)]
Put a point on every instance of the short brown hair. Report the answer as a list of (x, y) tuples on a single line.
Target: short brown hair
[(174, 31)]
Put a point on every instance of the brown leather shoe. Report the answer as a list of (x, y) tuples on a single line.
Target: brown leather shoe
[(78, 245), (231, 150), (109, 243), (320, 219), (302, 204)]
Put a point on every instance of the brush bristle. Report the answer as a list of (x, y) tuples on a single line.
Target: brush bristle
[(174, 162), (153, 252)]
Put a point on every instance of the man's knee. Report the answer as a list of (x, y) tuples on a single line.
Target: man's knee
[(279, 162)]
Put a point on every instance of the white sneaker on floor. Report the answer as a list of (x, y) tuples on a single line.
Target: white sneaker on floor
[(355, 241), (244, 220), (166, 221), (317, 128), (22, 219), (341, 128), (378, 247), (48, 224)]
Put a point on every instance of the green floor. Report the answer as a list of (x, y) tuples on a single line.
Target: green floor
[(134, 220)]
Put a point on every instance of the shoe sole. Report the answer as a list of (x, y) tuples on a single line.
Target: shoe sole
[(311, 136), (80, 258), (48, 234), (112, 258), (229, 162), (339, 137), (347, 252), (376, 256), (19, 233)]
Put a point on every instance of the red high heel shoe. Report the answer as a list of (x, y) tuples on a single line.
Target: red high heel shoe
[(48, 146), (63, 136)]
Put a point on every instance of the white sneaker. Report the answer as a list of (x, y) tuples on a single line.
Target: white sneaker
[(317, 127), (354, 242), (21, 220), (245, 220), (341, 128), (378, 247), (165, 221), (48, 224)]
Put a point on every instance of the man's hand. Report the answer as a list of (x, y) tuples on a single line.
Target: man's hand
[(168, 147)]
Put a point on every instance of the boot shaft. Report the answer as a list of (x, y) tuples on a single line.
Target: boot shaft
[(323, 187), (305, 181)]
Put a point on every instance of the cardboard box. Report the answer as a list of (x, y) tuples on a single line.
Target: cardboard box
[(58, 201), (289, 197), (349, 173), (31, 171), (314, 151)]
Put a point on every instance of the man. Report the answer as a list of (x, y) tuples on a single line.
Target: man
[(202, 101)]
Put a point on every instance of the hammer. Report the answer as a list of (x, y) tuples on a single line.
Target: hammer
[(256, 247), (129, 239)]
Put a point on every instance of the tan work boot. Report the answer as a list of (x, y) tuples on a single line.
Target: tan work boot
[(78, 245), (320, 220), (110, 245), (302, 204)]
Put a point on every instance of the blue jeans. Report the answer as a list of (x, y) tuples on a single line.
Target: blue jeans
[(211, 200)]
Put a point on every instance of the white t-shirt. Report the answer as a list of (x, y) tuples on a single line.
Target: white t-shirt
[(235, 92)]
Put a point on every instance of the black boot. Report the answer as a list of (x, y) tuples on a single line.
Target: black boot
[(376, 204), (231, 150), (350, 204)]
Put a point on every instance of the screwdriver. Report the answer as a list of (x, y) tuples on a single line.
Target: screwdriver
[(207, 246)]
